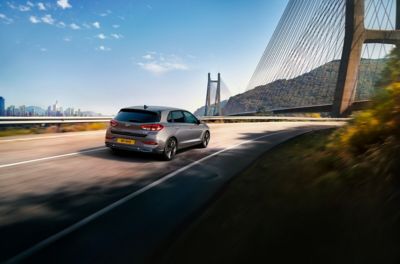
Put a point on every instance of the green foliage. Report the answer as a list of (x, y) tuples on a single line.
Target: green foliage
[(372, 140)]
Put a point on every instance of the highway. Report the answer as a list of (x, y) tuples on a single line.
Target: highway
[(66, 198)]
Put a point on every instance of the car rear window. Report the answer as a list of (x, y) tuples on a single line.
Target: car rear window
[(137, 116)]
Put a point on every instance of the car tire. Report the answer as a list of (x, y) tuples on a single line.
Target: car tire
[(170, 149), (205, 140)]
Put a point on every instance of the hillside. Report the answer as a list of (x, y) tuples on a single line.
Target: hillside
[(200, 111), (312, 88)]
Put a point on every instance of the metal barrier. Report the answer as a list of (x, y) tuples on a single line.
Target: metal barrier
[(17, 120), (230, 119), (101, 119)]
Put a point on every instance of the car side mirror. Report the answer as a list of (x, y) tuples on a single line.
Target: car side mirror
[(198, 122)]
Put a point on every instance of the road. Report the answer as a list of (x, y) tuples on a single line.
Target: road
[(65, 198)]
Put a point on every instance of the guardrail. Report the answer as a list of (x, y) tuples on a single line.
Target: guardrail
[(17, 120), (327, 108), (101, 119), (230, 119)]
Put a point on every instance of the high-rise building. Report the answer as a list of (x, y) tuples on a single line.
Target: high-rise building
[(22, 110), (69, 111), (55, 107), (11, 110), (2, 107)]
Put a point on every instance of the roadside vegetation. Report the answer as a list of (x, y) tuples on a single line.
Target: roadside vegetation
[(326, 197), (27, 130), (371, 142)]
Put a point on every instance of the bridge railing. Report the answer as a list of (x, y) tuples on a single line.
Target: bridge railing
[(233, 119), (4, 121), (17, 120)]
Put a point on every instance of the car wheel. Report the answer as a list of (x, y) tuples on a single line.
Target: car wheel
[(170, 149), (205, 140)]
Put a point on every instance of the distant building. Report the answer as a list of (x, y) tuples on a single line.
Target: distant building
[(2, 107), (69, 111), (10, 110), (22, 110), (32, 110), (55, 107)]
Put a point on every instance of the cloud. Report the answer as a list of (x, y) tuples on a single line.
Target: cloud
[(43, 49), (113, 36), (105, 13), (29, 3), (24, 8), (74, 26), (153, 67), (147, 57), (115, 26), (159, 64), (86, 25), (34, 20), (63, 4), (101, 36), (11, 5), (41, 6), (61, 24), (67, 39), (103, 48), (5, 19), (117, 36), (96, 24), (190, 56), (48, 19)]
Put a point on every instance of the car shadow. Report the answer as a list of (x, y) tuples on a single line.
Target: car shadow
[(130, 156)]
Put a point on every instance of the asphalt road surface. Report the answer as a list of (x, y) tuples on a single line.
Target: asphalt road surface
[(66, 198)]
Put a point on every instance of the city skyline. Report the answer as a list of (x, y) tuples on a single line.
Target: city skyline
[(104, 55), (55, 109)]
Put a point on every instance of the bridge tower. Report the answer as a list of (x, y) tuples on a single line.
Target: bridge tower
[(355, 36), (216, 109)]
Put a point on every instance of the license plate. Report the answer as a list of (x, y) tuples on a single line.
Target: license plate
[(126, 141)]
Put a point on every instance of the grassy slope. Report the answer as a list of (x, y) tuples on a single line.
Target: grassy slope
[(291, 207)]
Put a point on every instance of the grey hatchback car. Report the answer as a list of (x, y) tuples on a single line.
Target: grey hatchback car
[(156, 129)]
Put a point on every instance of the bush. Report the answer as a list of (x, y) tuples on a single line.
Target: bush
[(372, 139)]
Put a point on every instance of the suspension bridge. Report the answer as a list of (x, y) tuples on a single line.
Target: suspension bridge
[(324, 56)]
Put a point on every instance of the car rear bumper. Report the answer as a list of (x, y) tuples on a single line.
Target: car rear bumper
[(136, 148)]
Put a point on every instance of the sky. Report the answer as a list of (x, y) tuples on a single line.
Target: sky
[(105, 55)]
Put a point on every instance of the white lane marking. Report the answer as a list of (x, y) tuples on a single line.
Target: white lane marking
[(51, 158), (50, 137), (90, 218)]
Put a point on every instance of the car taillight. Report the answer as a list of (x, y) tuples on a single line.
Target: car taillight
[(152, 127), (150, 143), (113, 123)]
